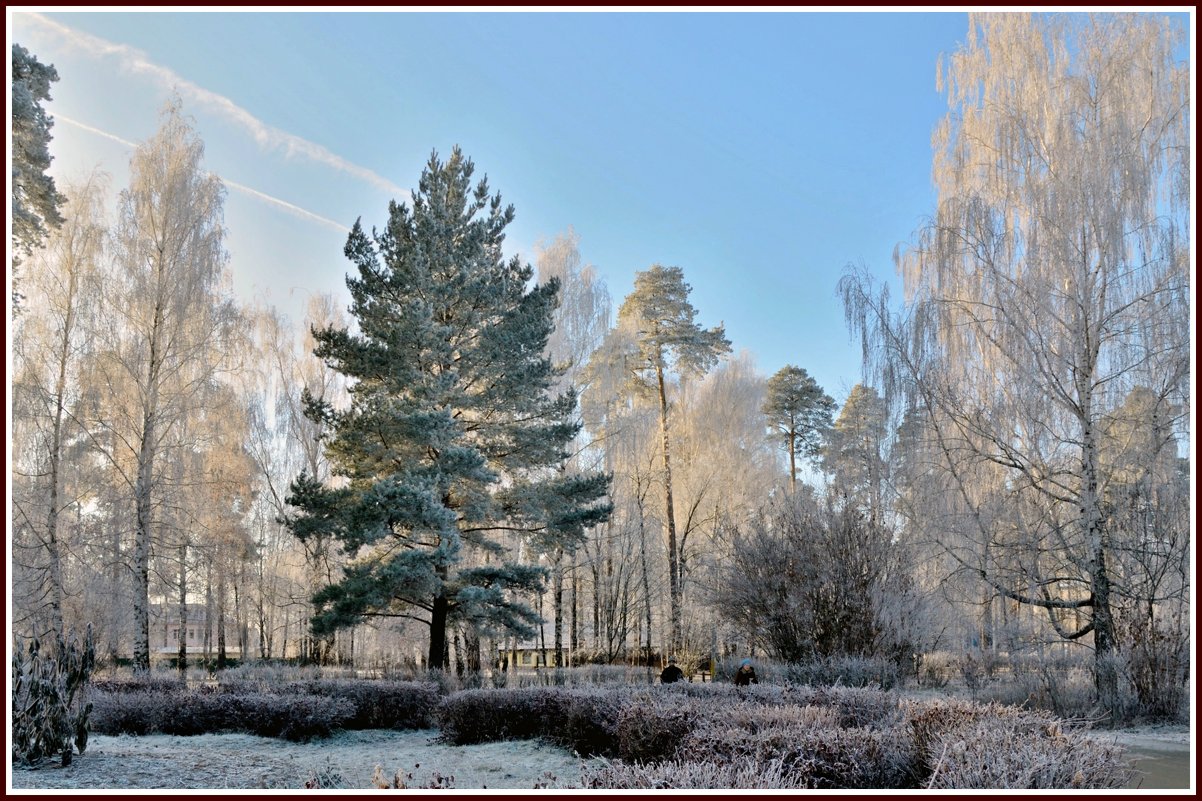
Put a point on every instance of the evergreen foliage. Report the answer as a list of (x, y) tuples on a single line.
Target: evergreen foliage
[(798, 409), (35, 200), (452, 438)]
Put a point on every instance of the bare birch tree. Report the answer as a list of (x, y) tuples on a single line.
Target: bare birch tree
[(52, 341), (1052, 279), (170, 312), (581, 320)]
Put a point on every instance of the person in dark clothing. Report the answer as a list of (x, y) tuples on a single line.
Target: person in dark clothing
[(671, 673), (745, 674)]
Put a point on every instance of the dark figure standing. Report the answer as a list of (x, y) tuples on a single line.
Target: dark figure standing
[(745, 674), (671, 673)]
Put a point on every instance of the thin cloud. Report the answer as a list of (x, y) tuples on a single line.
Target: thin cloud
[(246, 190), (267, 136)]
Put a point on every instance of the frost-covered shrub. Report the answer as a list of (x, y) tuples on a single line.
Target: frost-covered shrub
[(291, 717), (816, 756), (933, 670), (590, 724), (479, 716), (855, 706), (752, 717), (378, 704), (855, 758), (966, 745), (132, 711), (1157, 665), (846, 671), (724, 692), (688, 775), (258, 675), (929, 720), (143, 683), (651, 725), (1010, 753)]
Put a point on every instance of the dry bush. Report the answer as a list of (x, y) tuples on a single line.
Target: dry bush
[(856, 706), (145, 683), (845, 671), (815, 756), (688, 775), (1010, 753), (752, 717), (928, 720), (652, 724)]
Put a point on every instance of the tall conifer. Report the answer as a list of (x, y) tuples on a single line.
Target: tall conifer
[(452, 437)]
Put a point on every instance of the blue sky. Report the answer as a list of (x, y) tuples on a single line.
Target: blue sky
[(760, 152)]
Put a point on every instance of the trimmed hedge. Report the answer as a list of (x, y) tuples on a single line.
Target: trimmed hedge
[(378, 704), (480, 716), (290, 717)]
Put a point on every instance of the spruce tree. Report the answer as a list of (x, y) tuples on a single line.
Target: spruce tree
[(452, 437)]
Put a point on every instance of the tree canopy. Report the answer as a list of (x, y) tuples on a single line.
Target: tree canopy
[(452, 437), (35, 200), (798, 409)]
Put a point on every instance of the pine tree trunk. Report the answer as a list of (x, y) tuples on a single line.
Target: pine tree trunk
[(574, 636), (541, 659), (557, 603), (673, 557), (438, 632), (596, 568), (792, 462), (471, 645)]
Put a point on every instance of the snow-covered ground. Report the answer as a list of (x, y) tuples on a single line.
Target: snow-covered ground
[(244, 761)]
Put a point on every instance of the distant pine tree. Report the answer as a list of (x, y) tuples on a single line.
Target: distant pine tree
[(452, 437)]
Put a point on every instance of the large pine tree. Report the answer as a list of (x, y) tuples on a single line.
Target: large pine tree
[(450, 443)]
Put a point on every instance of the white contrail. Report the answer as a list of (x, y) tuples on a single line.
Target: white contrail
[(265, 135), (246, 190), (286, 206), (76, 123)]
